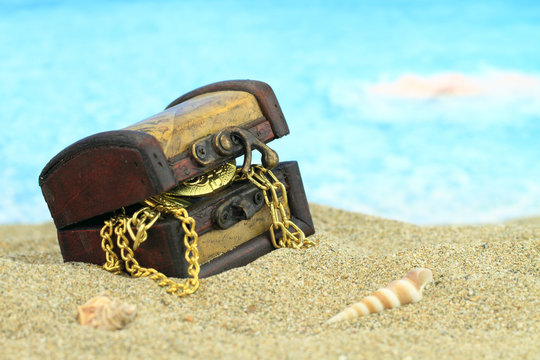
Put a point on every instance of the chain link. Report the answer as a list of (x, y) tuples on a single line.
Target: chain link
[(291, 235), (113, 263), (141, 221)]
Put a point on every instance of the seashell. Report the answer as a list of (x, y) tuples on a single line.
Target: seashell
[(105, 312), (399, 292)]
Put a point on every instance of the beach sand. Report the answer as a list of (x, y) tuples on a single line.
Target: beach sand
[(483, 303)]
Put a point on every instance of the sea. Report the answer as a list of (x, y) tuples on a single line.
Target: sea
[(421, 111)]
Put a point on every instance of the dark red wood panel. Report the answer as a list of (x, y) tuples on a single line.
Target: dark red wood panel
[(102, 173), (164, 250)]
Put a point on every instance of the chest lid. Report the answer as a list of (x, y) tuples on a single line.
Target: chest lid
[(197, 132)]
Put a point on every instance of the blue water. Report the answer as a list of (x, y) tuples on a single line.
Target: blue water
[(71, 69)]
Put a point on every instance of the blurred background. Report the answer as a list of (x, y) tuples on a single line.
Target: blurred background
[(421, 111)]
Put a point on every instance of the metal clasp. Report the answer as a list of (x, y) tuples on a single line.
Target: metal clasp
[(240, 205), (232, 141)]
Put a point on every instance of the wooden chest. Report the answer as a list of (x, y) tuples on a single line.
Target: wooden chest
[(91, 180)]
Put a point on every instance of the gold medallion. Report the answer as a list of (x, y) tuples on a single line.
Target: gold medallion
[(207, 183), (168, 201)]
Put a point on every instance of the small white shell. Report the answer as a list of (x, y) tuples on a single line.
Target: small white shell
[(399, 292), (104, 312)]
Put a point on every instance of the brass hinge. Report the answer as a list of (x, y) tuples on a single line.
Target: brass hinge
[(232, 141)]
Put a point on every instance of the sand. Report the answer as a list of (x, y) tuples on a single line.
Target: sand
[(483, 303)]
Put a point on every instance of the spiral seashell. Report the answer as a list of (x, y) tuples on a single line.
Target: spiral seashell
[(399, 292), (104, 312)]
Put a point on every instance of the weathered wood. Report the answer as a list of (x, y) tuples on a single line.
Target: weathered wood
[(102, 173), (110, 170), (177, 127), (89, 180), (263, 93), (164, 250)]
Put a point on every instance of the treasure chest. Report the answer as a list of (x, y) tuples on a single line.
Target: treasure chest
[(166, 193)]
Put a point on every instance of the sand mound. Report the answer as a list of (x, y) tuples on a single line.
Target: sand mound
[(483, 302)]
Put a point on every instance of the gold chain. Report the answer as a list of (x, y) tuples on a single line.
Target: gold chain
[(265, 180), (145, 218), (142, 220)]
